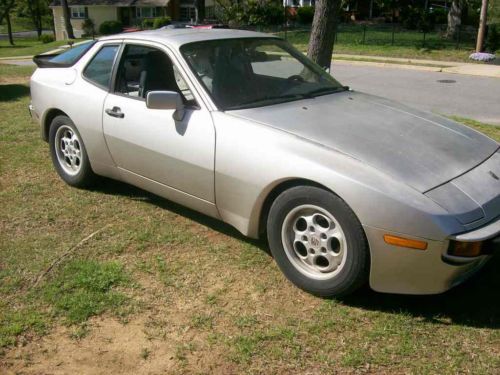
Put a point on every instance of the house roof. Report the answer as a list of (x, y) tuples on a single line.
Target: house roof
[(118, 3)]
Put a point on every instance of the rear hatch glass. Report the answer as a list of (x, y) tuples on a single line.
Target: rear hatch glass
[(64, 59)]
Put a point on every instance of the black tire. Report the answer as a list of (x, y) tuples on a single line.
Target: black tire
[(354, 272), (83, 176)]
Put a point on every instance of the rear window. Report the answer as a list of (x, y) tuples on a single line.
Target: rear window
[(65, 59), (72, 55)]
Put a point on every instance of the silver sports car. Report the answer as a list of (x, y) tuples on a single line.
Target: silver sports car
[(349, 188)]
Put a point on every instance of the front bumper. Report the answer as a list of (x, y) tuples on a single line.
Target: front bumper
[(406, 271)]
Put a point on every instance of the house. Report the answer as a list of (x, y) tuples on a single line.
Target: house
[(128, 12)]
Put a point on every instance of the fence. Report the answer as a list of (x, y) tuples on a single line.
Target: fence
[(396, 35), (386, 34)]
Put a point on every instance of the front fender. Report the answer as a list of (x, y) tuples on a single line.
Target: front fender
[(252, 159)]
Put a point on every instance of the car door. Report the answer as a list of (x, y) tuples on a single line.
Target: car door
[(148, 144)]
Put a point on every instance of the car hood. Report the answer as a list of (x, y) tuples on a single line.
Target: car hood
[(417, 148)]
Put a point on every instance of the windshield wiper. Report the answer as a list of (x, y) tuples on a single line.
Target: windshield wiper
[(266, 100), (326, 90)]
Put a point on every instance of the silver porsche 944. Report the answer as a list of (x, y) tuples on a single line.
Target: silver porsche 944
[(348, 188)]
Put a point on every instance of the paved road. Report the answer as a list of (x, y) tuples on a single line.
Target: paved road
[(24, 34), (467, 96)]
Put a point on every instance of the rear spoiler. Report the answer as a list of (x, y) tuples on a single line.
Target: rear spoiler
[(43, 61)]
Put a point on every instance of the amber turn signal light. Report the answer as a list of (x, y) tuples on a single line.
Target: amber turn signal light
[(405, 242), (465, 249)]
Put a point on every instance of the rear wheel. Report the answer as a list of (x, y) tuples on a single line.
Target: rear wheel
[(318, 242), (68, 153)]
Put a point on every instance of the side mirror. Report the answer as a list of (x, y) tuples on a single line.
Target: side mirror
[(166, 100)]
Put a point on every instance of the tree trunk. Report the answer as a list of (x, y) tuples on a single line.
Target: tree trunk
[(9, 29), (38, 20), (454, 19), (200, 6), (67, 19), (482, 26), (5, 6), (36, 16), (323, 32)]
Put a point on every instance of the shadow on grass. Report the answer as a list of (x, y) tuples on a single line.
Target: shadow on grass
[(112, 187), (13, 92), (474, 303)]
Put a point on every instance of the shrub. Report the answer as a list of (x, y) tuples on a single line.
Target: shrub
[(110, 27), (305, 15), (440, 15), (161, 21), (47, 38), (414, 18), (147, 23), (274, 14), (88, 27), (252, 13), (492, 39)]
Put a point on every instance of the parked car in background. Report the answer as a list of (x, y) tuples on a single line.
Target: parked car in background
[(348, 188)]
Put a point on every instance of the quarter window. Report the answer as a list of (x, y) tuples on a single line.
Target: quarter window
[(77, 12), (99, 69)]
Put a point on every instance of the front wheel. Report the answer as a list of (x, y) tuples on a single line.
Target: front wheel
[(68, 153), (318, 242)]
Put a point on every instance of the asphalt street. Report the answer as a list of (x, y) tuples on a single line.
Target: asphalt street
[(24, 34), (468, 96)]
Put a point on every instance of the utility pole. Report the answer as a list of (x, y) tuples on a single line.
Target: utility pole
[(482, 26)]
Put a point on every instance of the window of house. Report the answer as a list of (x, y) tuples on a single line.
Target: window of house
[(78, 12), (98, 71), (187, 13), (143, 69), (210, 12), (145, 12)]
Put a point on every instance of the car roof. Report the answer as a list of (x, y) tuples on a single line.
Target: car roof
[(178, 37)]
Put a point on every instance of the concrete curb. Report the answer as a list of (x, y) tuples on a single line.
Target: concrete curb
[(482, 70), (388, 65)]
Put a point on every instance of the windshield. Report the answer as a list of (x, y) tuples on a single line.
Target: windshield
[(255, 72)]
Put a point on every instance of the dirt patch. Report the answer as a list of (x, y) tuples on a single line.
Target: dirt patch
[(110, 348)]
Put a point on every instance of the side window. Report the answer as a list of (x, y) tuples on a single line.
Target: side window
[(143, 69), (100, 67)]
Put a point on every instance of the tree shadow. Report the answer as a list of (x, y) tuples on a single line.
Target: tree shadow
[(475, 303), (11, 92)]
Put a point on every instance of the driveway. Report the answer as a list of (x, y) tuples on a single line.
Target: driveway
[(444, 93)]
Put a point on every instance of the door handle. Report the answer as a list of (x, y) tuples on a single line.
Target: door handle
[(115, 112)]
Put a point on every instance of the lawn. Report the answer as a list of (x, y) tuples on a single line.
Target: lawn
[(376, 40), (24, 24), (28, 47), (117, 280)]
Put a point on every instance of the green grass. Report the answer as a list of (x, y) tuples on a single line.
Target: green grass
[(85, 288), (28, 47), (378, 42), (201, 296), (24, 24), (490, 130)]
